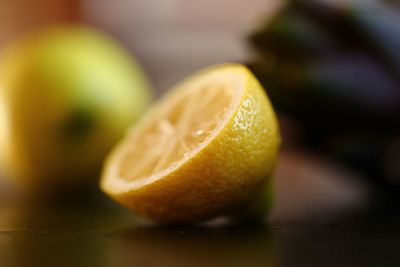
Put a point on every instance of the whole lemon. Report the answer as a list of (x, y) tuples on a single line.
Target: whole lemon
[(67, 93)]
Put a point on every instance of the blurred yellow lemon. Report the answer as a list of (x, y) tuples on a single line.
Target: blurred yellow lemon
[(66, 95), (206, 149)]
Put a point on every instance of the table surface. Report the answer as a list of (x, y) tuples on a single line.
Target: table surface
[(97, 232), (110, 236)]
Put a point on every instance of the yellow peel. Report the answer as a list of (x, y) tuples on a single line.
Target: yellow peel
[(205, 149)]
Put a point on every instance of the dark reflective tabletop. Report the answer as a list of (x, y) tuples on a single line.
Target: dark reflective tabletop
[(88, 238), (100, 233)]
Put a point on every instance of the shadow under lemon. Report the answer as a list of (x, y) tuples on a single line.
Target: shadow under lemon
[(246, 245)]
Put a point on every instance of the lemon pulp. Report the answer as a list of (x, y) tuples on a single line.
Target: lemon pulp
[(175, 130)]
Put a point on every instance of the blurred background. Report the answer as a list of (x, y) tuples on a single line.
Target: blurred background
[(331, 69), (171, 38)]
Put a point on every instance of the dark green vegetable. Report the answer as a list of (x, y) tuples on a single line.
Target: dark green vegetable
[(335, 69)]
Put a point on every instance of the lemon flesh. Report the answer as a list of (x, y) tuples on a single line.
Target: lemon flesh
[(67, 94), (206, 149)]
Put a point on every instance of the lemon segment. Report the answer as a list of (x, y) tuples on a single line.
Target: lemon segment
[(206, 149)]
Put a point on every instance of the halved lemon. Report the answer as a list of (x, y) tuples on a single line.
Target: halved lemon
[(206, 149)]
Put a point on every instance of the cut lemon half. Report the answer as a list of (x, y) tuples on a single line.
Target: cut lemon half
[(205, 149)]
